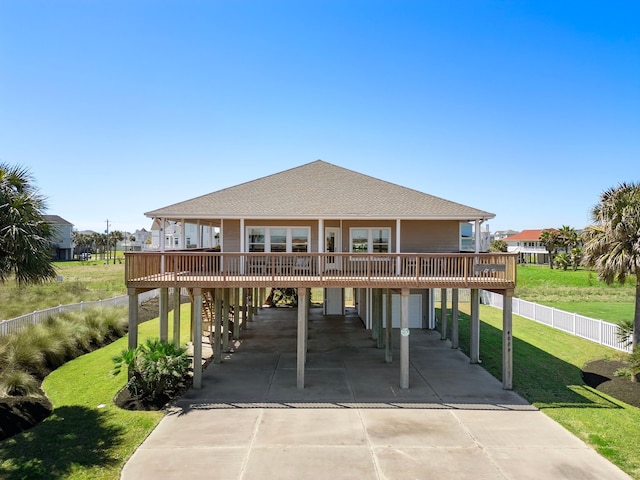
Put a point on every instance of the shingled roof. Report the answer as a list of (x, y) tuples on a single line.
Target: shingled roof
[(319, 190)]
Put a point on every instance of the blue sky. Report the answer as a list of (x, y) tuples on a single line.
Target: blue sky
[(527, 109)]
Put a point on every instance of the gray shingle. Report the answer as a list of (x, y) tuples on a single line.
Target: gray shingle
[(319, 190)]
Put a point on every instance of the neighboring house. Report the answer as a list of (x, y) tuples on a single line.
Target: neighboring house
[(142, 240), (502, 234), (528, 246), (181, 235), (61, 245), (323, 226)]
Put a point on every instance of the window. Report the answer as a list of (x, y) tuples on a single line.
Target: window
[(256, 240), (278, 239), (370, 240)]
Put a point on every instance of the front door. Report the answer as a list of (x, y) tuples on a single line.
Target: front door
[(332, 245)]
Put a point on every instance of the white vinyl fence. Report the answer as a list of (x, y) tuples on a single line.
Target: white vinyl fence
[(599, 331), (14, 324)]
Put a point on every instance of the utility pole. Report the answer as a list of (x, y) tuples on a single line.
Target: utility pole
[(107, 243)]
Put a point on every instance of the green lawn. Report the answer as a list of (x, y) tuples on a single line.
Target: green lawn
[(80, 282), (580, 292), (547, 367), (87, 436)]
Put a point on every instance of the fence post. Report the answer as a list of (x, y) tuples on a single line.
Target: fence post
[(553, 317), (600, 331), (574, 324)]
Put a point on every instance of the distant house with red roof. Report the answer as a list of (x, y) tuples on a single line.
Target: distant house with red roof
[(528, 246)]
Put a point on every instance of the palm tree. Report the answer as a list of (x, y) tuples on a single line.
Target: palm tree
[(549, 238), (568, 238), (25, 236), (575, 257), (114, 237), (612, 244)]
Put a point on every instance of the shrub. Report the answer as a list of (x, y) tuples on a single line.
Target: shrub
[(17, 382), (156, 368), (634, 363)]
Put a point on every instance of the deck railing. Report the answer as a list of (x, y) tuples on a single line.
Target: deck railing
[(214, 269)]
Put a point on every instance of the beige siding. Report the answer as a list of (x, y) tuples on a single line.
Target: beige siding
[(231, 236), (430, 236)]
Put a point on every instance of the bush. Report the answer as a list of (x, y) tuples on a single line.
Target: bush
[(634, 363), (18, 383), (30, 354), (156, 368)]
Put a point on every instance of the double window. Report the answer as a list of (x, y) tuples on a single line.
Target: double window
[(370, 240), (278, 239)]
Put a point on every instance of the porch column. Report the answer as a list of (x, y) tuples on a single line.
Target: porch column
[(176, 316), (236, 314), (398, 249), (242, 246), (443, 314), (133, 317), (196, 316), (217, 329), (404, 338), (454, 318), (225, 320), (474, 347), (249, 308), (302, 336), (164, 314), (377, 298), (507, 341), (388, 338)]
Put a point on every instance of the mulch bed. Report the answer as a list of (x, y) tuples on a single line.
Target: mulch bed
[(600, 374)]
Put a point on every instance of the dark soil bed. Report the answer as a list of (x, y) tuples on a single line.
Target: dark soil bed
[(600, 374)]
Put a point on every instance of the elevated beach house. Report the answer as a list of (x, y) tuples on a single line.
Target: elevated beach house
[(323, 226)]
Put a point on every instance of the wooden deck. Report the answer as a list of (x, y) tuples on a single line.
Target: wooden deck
[(489, 271)]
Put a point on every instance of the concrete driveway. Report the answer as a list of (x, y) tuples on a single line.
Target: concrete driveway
[(352, 421)]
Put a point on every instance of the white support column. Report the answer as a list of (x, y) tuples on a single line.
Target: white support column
[(217, 329), (388, 342), (478, 236), (474, 347), (302, 337), (320, 235), (242, 245), (162, 243), (455, 335), (225, 320), (133, 318), (196, 309), (443, 314), (236, 314), (163, 304), (507, 342), (404, 338), (198, 234), (176, 316), (398, 249)]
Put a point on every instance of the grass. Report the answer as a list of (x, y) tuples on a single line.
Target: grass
[(576, 291), (87, 436), (81, 282), (547, 372)]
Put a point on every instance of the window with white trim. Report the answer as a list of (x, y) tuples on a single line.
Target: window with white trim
[(370, 240), (278, 239)]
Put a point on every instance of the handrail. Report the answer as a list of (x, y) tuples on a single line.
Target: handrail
[(314, 268)]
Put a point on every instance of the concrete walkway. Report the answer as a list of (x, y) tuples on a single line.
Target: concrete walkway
[(250, 422)]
